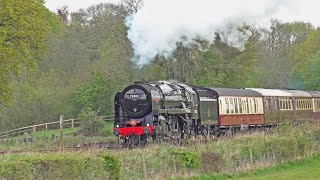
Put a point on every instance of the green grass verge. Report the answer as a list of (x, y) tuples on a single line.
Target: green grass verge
[(303, 169), (56, 132), (59, 166)]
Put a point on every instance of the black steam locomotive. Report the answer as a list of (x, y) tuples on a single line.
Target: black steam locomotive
[(171, 110)]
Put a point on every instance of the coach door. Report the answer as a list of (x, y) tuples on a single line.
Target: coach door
[(208, 110)]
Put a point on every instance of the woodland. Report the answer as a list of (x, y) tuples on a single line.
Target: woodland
[(54, 63)]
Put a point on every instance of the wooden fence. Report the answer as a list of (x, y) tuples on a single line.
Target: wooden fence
[(70, 123)]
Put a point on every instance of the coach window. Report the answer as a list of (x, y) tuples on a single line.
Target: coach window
[(276, 104), (231, 105), (304, 104), (271, 105), (236, 105), (286, 104), (227, 105), (290, 104), (255, 105), (220, 105), (267, 104), (240, 105), (280, 103)]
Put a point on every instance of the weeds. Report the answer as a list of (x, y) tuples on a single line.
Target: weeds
[(224, 157)]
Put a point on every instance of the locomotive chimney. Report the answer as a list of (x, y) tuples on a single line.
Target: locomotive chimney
[(138, 82)]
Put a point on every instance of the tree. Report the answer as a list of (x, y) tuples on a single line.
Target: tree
[(23, 35), (63, 13), (274, 49), (308, 75)]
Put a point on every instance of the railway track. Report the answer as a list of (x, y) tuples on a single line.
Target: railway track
[(73, 148)]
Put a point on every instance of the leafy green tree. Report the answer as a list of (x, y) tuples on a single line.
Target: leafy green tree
[(307, 49), (274, 52), (23, 35), (307, 75)]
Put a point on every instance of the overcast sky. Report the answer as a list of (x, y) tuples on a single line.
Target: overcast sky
[(73, 5)]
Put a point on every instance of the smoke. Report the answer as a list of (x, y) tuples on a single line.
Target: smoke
[(160, 24)]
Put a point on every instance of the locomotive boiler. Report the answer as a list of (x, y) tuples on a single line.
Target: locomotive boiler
[(158, 109)]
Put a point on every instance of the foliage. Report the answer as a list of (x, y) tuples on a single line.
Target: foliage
[(306, 76), (88, 60), (186, 159), (54, 166), (306, 168), (91, 125), (112, 165), (226, 157), (23, 35)]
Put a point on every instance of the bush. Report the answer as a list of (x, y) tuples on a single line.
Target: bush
[(91, 124), (211, 162), (186, 159), (112, 165), (55, 166)]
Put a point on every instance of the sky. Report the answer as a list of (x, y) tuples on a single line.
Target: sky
[(159, 24), (73, 5)]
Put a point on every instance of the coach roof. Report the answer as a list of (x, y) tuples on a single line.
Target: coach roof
[(272, 92), (298, 93), (315, 94), (236, 92)]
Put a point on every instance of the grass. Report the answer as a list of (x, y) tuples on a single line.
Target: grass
[(108, 129), (50, 138), (303, 169), (235, 157), (56, 132)]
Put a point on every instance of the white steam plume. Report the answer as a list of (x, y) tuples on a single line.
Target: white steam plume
[(159, 24)]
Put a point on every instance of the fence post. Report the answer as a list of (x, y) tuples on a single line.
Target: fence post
[(34, 128), (46, 126), (61, 131), (72, 123)]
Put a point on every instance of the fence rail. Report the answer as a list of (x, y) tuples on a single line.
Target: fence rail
[(70, 123)]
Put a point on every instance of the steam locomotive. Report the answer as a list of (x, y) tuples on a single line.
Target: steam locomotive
[(172, 110)]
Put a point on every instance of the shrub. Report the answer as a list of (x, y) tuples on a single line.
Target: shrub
[(112, 165), (91, 124), (186, 159), (54, 166), (211, 162)]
